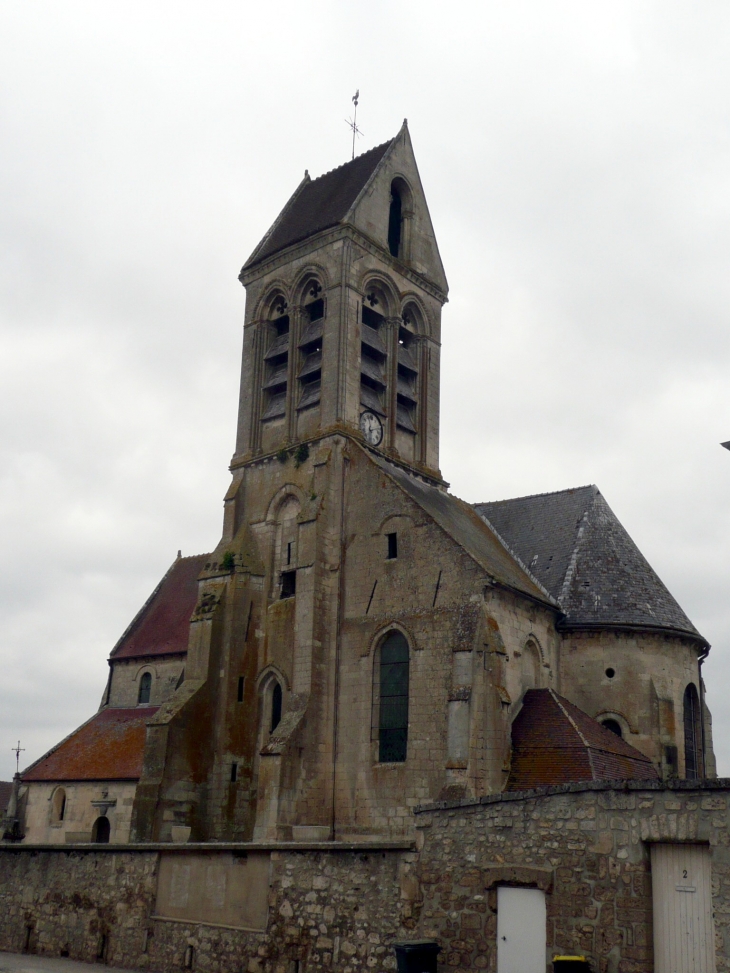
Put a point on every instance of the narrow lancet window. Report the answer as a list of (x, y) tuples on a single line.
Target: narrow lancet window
[(394, 221), (276, 703), (393, 728), (693, 762)]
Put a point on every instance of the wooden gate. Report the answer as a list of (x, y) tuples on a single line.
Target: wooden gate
[(684, 933)]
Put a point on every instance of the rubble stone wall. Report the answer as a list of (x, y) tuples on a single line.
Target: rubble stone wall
[(587, 847)]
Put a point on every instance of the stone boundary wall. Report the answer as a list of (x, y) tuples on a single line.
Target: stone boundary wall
[(587, 847), (334, 908)]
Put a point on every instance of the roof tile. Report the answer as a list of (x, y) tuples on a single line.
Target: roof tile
[(109, 746), (554, 742), (319, 204), (162, 625)]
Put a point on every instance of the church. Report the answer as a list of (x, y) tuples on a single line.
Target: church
[(361, 642)]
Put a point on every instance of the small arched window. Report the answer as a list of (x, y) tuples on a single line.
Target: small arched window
[(101, 831), (393, 719), (145, 688), (276, 704), (614, 726), (693, 762), (59, 805)]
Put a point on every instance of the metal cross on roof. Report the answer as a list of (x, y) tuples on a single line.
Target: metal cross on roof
[(352, 122), (17, 750)]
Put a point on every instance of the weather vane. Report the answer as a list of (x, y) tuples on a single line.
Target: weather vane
[(17, 751), (352, 122)]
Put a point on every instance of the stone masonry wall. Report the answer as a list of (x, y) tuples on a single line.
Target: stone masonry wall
[(587, 846), (327, 910)]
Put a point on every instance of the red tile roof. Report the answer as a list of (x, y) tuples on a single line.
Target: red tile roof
[(108, 747), (554, 742), (161, 626)]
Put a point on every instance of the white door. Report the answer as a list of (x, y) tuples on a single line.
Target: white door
[(684, 933), (521, 931)]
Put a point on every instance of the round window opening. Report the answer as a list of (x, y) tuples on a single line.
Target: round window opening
[(610, 673)]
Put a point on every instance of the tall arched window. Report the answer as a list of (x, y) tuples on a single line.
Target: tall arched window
[(101, 831), (394, 220), (393, 719), (145, 688), (693, 762), (276, 703), (59, 805), (276, 361)]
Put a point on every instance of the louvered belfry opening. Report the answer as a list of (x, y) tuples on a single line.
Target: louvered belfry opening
[(407, 399), (374, 357), (276, 363), (310, 348)]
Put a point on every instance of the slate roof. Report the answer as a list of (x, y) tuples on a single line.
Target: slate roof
[(6, 787), (574, 544), (162, 625), (554, 742), (318, 204), (469, 530), (108, 747)]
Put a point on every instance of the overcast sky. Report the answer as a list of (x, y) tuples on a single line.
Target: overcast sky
[(576, 160)]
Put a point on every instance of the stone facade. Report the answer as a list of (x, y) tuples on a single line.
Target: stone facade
[(65, 813)]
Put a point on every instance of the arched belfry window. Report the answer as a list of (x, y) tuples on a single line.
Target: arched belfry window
[(145, 688), (310, 346), (393, 709), (399, 218), (395, 218), (276, 361), (693, 756), (407, 397), (373, 354)]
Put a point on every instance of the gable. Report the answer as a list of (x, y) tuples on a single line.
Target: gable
[(469, 531)]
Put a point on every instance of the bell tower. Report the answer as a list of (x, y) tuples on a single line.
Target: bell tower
[(343, 316)]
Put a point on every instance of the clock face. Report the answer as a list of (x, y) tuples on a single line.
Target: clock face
[(372, 428)]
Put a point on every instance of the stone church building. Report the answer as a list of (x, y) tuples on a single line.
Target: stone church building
[(375, 712), (361, 642)]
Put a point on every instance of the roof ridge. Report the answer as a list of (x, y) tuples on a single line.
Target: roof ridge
[(350, 161), (533, 496), (570, 570), (559, 700)]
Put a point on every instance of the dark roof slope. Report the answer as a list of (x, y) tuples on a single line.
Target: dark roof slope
[(574, 544), (469, 530), (6, 787), (319, 203), (161, 626), (109, 746), (554, 742)]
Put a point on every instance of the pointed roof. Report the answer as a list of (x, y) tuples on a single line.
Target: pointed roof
[(161, 626), (469, 530), (109, 746), (554, 742), (574, 544), (318, 204)]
